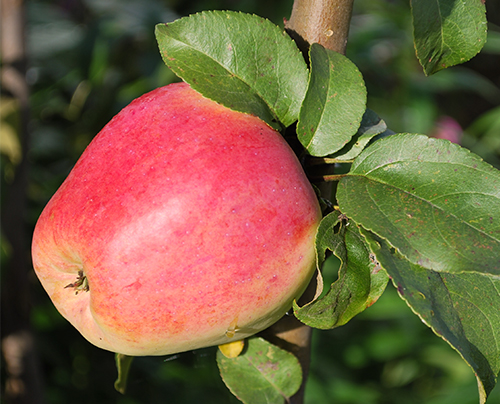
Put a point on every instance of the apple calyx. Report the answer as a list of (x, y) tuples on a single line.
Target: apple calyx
[(81, 284)]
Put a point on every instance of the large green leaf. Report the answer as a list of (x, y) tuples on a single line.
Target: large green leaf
[(242, 61), (360, 282), (263, 373), (463, 309), (436, 202), (334, 103), (447, 32)]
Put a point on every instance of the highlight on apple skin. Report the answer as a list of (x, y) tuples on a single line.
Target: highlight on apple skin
[(183, 225)]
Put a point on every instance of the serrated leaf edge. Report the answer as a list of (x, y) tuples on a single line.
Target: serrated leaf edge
[(277, 30)]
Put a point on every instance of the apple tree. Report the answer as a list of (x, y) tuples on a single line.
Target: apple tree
[(400, 210)]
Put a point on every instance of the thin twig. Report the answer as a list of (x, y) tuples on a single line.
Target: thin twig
[(330, 177), (315, 161)]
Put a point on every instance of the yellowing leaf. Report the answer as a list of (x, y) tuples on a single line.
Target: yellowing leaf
[(232, 349)]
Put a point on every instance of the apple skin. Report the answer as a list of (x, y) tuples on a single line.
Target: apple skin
[(193, 225)]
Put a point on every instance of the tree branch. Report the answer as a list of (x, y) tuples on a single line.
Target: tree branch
[(325, 22), (321, 21)]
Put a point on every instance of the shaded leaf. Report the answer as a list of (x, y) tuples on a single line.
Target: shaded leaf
[(371, 126), (10, 145), (334, 103), (447, 32), (360, 282), (263, 373), (327, 238), (123, 363), (242, 61), (463, 309), (436, 202)]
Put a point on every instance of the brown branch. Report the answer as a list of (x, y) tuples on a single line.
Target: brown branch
[(321, 21), (295, 337), (325, 22)]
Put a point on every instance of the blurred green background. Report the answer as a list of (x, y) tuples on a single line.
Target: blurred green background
[(87, 59)]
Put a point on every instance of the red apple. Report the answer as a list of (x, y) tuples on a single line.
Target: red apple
[(184, 224)]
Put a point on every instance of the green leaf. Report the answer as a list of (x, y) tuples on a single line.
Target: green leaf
[(263, 373), (463, 309), (123, 363), (360, 282), (334, 103), (371, 126), (447, 32), (242, 61), (327, 238), (434, 201)]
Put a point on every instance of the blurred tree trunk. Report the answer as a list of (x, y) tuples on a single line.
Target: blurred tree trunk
[(325, 22), (22, 383)]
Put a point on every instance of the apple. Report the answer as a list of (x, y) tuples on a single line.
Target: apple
[(183, 225)]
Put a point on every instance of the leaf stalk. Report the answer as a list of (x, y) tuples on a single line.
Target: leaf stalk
[(331, 177)]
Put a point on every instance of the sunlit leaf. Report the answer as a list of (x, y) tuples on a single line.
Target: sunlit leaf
[(436, 202), (334, 103), (242, 61), (448, 32), (463, 309)]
